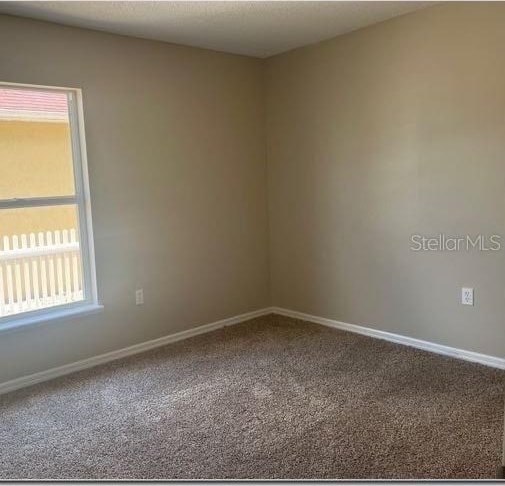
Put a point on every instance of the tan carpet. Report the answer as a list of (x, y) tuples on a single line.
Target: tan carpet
[(271, 398)]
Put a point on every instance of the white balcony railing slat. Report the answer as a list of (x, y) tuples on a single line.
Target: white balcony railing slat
[(38, 271)]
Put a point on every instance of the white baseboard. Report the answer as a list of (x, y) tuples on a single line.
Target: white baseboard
[(484, 359), (49, 374)]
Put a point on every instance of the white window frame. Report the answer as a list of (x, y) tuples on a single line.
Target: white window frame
[(82, 200)]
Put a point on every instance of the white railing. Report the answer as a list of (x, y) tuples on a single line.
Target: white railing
[(38, 271)]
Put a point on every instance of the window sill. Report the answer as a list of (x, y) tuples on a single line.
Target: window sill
[(23, 322)]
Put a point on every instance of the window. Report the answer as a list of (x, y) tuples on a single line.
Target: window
[(46, 246)]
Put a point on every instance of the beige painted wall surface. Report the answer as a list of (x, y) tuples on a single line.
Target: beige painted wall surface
[(385, 132), (35, 161), (175, 140)]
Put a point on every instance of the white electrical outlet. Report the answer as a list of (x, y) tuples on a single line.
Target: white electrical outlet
[(467, 296), (139, 297)]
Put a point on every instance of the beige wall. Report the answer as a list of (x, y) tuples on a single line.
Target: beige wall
[(176, 154), (395, 129)]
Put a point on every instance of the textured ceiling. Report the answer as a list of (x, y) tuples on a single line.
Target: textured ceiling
[(258, 29)]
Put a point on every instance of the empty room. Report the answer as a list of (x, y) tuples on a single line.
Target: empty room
[(252, 240)]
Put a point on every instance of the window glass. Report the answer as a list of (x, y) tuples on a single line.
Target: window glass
[(40, 258), (35, 144), (44, 239)]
